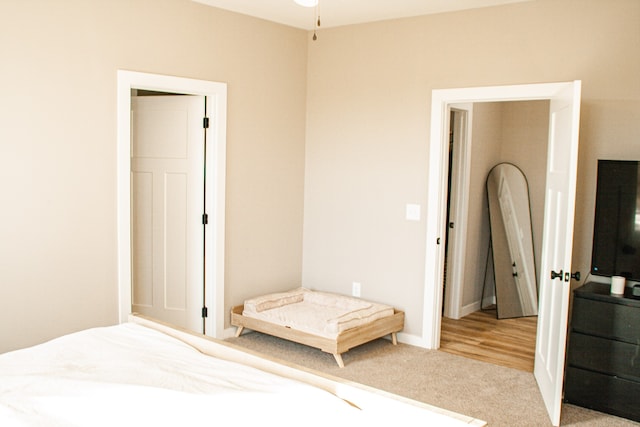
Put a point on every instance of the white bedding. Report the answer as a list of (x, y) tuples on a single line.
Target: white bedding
[(132, 375)]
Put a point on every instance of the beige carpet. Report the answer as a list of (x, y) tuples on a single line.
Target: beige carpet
[(501, 396)]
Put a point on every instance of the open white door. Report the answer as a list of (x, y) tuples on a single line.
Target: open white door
[(215, 94), (557, 246), (167, 191), (461, 121)]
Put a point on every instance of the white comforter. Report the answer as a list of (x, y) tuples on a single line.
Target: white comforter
[(130, 375)]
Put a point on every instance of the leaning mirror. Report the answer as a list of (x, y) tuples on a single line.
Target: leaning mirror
[(512, 242)]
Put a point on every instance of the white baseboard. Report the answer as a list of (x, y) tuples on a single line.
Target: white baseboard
[(477, 306), (410, 339), (468, 309), (230, 332)]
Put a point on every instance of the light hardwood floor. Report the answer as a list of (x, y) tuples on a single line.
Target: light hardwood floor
[(481, 336)]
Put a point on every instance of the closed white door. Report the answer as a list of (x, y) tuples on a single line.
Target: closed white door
[(557, 246), (167, 204)]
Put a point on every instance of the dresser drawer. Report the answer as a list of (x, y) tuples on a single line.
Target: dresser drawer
[(602, 393), (605, 356), (614, 321)]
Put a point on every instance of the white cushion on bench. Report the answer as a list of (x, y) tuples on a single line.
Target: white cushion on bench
[(318, 313)]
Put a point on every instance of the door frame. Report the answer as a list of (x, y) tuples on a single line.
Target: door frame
[(216, 110), (441, 102)]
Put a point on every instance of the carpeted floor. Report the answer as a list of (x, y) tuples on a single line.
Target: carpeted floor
[(501, 396)]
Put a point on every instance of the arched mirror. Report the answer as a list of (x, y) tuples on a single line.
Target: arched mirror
[(512, 242)]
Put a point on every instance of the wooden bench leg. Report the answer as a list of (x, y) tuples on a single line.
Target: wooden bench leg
[(239, 331), (394, 338), (338, 358)]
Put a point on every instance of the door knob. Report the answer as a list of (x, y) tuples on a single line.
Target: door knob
[(568, 276), (555, 275)]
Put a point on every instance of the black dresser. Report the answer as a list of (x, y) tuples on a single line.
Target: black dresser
[(603, 357)]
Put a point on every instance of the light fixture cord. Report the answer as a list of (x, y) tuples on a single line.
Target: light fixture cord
[(317, 23)]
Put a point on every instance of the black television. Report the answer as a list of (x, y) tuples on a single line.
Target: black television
[(616, 229)]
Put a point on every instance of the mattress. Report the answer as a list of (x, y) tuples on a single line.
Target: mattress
[(318, 313)]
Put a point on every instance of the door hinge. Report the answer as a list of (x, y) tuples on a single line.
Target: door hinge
[(205, 312), (205, 122), (205, 219)]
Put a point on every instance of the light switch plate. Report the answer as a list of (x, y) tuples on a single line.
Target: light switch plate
[(356, 288), (413, 212)]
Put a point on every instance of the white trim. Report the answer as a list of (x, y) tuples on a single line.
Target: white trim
[(216, 94), (409, 339), (441, 101), (470, 308)]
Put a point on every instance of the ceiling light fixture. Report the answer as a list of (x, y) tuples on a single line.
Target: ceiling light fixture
[(307, 3), (312, 3)]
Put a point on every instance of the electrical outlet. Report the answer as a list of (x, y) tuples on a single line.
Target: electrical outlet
[(355, 289)]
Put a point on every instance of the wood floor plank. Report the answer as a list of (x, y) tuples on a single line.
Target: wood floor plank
[(481, 336)]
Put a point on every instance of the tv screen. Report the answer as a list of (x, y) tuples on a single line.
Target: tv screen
[(616, 231)]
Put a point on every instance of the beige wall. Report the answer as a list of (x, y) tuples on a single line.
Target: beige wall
[(369, 94), (58, 149), (365, 93)]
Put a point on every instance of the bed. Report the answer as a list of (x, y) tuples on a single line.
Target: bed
[(328, 321), (145, 372)]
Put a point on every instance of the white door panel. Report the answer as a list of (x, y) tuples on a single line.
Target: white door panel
[(459, 200), (167, 204), (142, 239), (557, 247)]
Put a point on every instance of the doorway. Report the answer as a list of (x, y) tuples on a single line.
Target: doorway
[(561, 171), (515, 132), (216, 100)]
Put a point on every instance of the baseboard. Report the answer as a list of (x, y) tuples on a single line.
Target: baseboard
[(477, 306), (230, 332), (471, 308), (488, 301), (410, 339)]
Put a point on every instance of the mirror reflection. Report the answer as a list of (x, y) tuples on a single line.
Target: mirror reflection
[(512, 242)]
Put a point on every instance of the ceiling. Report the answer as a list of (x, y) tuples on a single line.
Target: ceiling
[(335, 13)]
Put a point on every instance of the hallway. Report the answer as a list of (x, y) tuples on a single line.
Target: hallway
[(481, 336)]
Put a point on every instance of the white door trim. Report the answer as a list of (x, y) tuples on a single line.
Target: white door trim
[(437, 188), (216, 94)]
